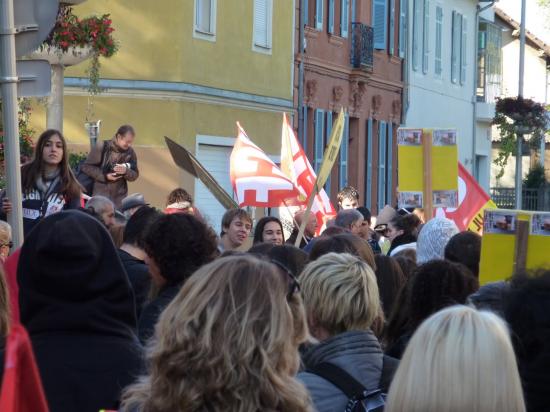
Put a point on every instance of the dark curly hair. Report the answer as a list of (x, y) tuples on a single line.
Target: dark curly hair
[(465, 248), (527, 309), (180, 244)]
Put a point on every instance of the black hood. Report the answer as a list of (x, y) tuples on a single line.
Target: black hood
[(71, 279)]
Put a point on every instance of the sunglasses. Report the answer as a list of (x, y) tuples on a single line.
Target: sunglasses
[(293, 284), (9, 244)]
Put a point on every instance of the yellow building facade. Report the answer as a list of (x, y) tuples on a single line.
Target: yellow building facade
[(187, 70)]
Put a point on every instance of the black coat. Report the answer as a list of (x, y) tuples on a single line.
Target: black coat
[(140, 279), (78, 307), (151, 311)]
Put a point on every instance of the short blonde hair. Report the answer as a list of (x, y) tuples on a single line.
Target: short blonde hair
[(340, 292), (459, 359), (5, 232)]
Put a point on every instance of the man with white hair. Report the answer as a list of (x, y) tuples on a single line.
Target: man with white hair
[(350, 219), (103, 208)]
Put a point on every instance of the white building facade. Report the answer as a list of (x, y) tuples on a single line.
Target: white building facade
[(440, 70)]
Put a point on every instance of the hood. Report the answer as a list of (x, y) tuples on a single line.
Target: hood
[(71, 279), (433, 238)]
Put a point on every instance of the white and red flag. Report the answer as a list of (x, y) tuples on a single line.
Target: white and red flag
[(295, 165), (256, 179)]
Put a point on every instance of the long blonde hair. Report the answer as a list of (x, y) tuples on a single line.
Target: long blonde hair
[(228, 341), (459, 359)]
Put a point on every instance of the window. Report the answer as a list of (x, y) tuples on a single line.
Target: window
[(319, 14), (205, 18), (417, 31), (344, 152), (319, 141), (489, 63), (403, 4), (368, 164), (389, 165), (327, 139), (380, 17), (426, 37), (330, 23), (456, 52), (463, 51), (263, 10), (438, 40), (382, 133), (392, 26), (344, 18)]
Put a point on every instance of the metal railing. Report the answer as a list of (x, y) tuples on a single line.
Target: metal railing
[(362, 46), (533, 199)]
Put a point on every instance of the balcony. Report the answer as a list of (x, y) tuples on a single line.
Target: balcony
[(362, 47)]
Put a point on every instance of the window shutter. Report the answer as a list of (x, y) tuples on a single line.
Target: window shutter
[(417, 15), (426, 37), (327, 137), (403, 5), (389, 165), (392, 26), (463, 51), (381, 164), (304, 128), (344, 18), (344, 153), (438, 40), (261, 23), (456, 51), (304, 4), (318, 143), (368, 166), (331, 16), (380, 17), (203, 16), (319, 14)]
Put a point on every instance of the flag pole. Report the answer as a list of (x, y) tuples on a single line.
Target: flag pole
[(305, 218)]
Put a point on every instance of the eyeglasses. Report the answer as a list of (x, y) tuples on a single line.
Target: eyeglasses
[(293, 284), (9, 244)]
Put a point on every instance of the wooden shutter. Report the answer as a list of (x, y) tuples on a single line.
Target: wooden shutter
[(382, 130), (392, 27), (417, 25), (262, 17), (438, 40), (319, 14), (330, 23), (368, 166), (426, 37), (380, 17), (463, 51), (389, 164), (344, 153), (344, 18), (327, 137), (319, 141), (403, 12)]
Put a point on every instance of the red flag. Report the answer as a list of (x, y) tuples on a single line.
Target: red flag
[(21, 385), (255, 178), (295, 164), (472, 200)]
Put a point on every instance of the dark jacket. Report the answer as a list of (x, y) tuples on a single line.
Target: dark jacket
[(401, 240), (151, 311), (77, 305), (292, 239), (139, 277), (100, 162), (359, 354)]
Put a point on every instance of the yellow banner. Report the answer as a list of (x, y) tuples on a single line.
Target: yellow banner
[(331, 152)]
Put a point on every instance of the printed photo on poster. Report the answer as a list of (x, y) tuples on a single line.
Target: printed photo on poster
[(444, 137), (499, 222), (409, 137), (540, 224), (409, 199), (445, 198)]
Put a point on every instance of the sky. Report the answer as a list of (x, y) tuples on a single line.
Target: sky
[(537, 20)]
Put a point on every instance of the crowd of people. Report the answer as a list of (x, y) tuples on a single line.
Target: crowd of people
[(135, 309)]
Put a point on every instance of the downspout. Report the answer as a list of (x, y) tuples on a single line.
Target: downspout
[(301, 20), (479, 10)]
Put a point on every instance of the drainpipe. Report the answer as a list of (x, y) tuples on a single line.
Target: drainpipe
[(543, 139), (301, 20), (479, 10)]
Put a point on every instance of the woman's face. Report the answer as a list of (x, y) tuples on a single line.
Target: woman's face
[(391, 232), (272, 233), (52, 153), (125, 141)]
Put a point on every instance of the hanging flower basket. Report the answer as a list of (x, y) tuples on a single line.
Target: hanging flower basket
[(71, 34), (55, 55), (516, 116)]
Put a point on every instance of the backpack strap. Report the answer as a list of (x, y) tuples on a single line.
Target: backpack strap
[(351, 387)]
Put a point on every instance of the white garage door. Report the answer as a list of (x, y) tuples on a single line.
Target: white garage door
[(216, 160)]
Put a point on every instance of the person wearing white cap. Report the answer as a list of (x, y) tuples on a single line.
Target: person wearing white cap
[(433, 238)]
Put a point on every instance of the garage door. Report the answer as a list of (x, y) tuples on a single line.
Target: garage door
[(216, 160)]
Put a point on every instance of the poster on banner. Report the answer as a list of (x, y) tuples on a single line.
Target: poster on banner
[(427, 155), (504, 250)]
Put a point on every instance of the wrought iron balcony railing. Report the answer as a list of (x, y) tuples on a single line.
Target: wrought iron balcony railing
[(362, 46)]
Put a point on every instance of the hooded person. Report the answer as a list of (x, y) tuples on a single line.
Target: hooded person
[(78, 307), (433, 238)]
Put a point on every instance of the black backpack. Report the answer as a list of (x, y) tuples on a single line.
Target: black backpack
[(360, 398), (87, 182)]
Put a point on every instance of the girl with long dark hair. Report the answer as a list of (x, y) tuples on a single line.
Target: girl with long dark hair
[(48, 183)]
